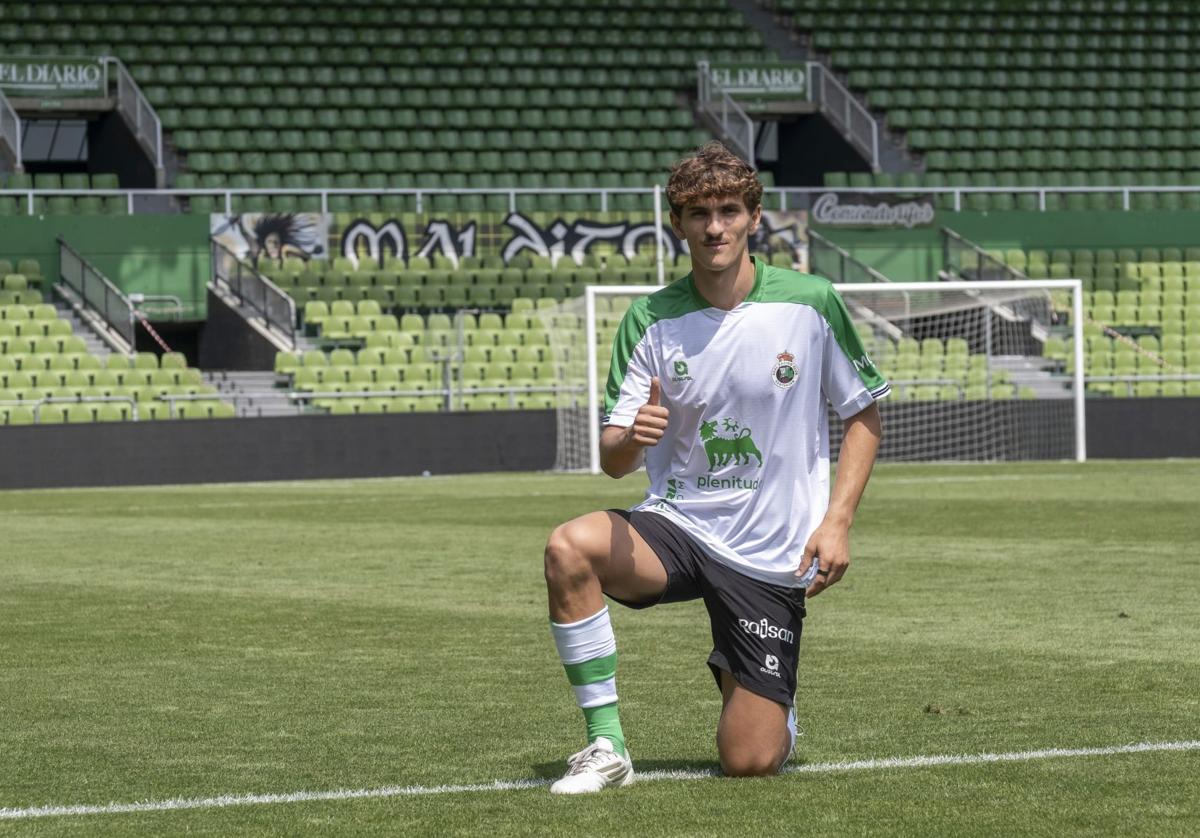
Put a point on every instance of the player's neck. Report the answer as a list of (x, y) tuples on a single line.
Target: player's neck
[(728, 288)]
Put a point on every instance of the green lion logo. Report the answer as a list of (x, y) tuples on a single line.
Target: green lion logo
[(722, 450)]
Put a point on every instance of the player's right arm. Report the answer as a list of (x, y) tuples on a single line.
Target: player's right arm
[(622, 449)]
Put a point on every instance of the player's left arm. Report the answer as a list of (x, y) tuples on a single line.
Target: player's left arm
[(829, 544)]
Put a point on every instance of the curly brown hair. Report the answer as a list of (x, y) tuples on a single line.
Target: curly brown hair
[(712, 171)]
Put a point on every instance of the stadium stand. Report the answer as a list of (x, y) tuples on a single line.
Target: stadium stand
[(505, 351), (1138, 308), (1025, 94), (48, 374), (475, 95), (62, 204), (342, 300), (998, 96), (20, 282), (405, 95), (941, 370)]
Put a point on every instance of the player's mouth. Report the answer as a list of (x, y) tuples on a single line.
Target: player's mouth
[(716, 247)]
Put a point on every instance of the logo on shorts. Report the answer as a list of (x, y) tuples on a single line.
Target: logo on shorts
[(784, 371), (767, 631), (772, 666)]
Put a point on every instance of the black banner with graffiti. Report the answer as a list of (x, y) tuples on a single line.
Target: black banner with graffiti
[(264, 235), (377, 237)]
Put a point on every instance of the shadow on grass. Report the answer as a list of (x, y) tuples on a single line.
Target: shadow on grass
[(554, 770)]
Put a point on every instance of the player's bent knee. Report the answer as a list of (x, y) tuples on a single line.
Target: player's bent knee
[(745, 762), (565, 564)]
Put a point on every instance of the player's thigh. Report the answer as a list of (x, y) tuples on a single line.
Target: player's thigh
[(752, 736), (620, 557)]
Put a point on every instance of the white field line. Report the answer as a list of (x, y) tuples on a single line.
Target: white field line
[(882, 477), (226, 800)]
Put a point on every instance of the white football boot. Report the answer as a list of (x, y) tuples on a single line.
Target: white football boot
[(792, 733), (593, 769)]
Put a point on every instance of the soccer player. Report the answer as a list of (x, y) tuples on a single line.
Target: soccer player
[(719, 384)]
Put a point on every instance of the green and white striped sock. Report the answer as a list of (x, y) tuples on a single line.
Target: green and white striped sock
[(588, 651)]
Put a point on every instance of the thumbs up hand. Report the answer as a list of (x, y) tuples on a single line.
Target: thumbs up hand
[(650, 423)]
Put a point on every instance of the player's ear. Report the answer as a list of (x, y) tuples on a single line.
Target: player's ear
[(676, 225), (755, 219)]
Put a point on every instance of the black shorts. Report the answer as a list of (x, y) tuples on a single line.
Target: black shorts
[(755, 625)]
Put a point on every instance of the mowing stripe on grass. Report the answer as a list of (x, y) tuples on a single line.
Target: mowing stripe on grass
[(518, 785), (881, 476)]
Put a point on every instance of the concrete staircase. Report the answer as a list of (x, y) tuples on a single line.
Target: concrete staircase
[(1030, 371), (95, 344), (304, 342), (252, 393)]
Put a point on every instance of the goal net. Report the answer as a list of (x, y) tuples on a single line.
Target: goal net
[(980, 371)]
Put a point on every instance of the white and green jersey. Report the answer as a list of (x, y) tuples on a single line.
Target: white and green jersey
[(744, 464)]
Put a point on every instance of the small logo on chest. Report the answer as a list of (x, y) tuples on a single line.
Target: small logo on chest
[(784, 371), (680, 369)]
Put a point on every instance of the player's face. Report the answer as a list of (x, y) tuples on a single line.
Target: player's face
[(717, 231)]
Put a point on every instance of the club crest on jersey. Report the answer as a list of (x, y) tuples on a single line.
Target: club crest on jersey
[(784, 371)]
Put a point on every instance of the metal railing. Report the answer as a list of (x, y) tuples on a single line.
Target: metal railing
[(735, 125), (129, 400), (958, 192), (964, 259), (452, 397), (449, 395), (36, 405), (775, 197), (255, 291), (10, 131), (172, 399), (835, 263), (1131, 381), (322, 196), (846, 113), (138, 113), (902, 386), (96, 292), (968, 260), (139, 409)]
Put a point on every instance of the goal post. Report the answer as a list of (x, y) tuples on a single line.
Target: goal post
[(981, 370)]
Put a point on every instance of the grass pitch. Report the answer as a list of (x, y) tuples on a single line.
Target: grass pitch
[(185, 643)]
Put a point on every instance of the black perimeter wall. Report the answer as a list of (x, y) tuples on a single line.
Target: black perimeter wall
[(312, 447), (288, 448)]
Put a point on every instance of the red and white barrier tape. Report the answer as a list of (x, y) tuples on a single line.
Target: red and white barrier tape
[(157, 337)]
